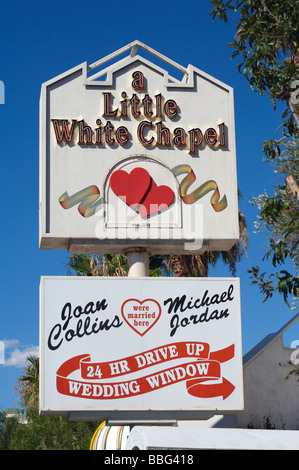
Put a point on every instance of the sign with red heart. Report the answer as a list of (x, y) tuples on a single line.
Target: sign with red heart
[(139, 160), (141, 316)]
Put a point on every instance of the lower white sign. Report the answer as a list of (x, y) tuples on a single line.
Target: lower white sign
[(111, 345)]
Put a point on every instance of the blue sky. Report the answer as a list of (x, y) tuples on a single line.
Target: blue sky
[(40, 40)]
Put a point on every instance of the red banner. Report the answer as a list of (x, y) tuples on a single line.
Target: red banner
[(197, 374)]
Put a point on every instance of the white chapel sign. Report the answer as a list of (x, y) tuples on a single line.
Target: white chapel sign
[(130, 156), (161, 345)]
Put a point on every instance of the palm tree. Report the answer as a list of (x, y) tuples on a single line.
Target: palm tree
[(198, 265), (97, 265), (112, 265), (28, 383), (176, 265)]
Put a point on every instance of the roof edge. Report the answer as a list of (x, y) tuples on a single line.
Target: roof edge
[(263, 344)]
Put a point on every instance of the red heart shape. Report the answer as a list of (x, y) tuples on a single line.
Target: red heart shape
[(138, 188), (130, 187), (141, 315), (157, 199)]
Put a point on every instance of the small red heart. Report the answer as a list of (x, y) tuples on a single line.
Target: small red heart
[(130, 187), (157, 199)]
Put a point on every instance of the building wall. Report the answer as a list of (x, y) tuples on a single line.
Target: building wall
[(268, 398)]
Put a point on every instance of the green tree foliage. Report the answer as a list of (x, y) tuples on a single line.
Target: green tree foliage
[(44, 432), (266, 42), (28, 383), (279, 216), (112, 265), (34, 432)]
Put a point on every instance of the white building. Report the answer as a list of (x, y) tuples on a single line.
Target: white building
[(269, 399)]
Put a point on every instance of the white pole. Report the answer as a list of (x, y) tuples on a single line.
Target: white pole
[(138, 262)]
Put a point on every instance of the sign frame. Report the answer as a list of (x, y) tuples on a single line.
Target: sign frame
[(166, 240), (131, 413)]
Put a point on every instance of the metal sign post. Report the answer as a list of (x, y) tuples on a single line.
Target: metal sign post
[(138, 263)]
